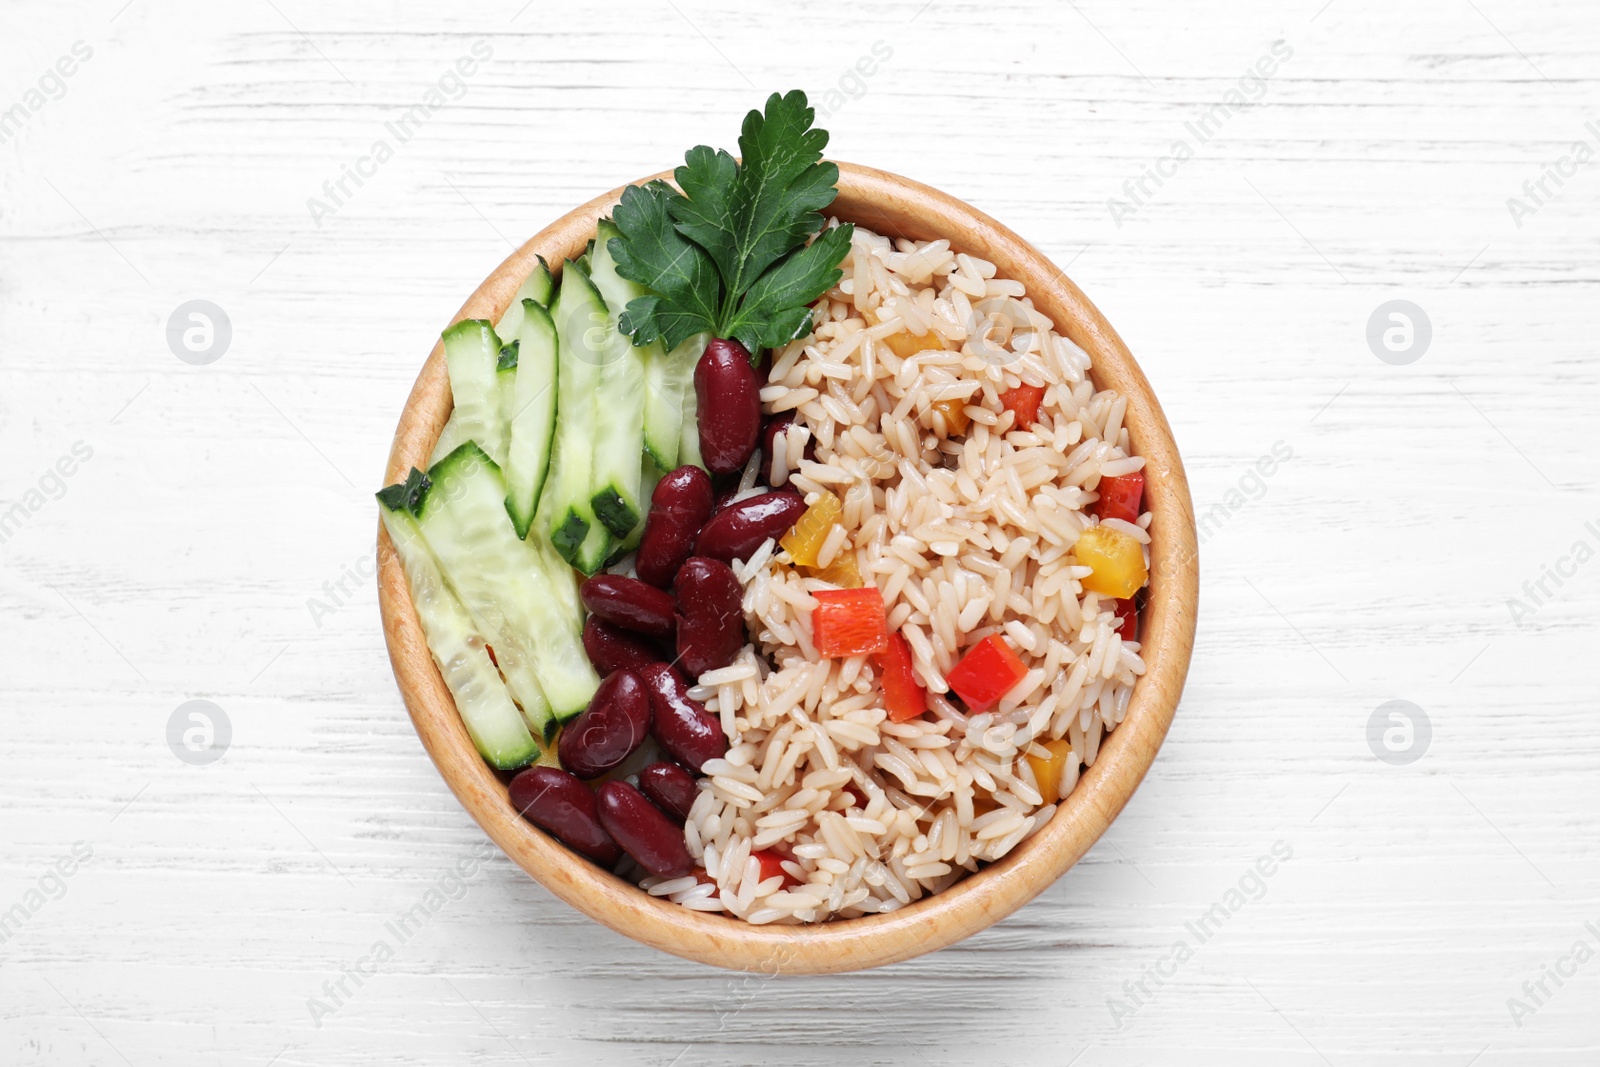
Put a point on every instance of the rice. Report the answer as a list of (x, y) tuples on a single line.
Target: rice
[(966, 535)]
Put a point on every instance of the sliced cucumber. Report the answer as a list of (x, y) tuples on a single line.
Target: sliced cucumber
[(540, 286), (513, 662), (563, 580), (513, 587), (689, 439), (536, 287), (505, 381), (595, 546), (669, 394), (662, 413), (497, 729), (619, 432), (450, 438), (532, 415), (472, 353), (580, 320), (649, 475), (523, 682), (669, 405)]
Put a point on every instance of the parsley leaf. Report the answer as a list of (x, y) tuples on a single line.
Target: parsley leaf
[(777, 309), (705, 213), (783, 185), (747, 214), (728, 254), (654, 254)]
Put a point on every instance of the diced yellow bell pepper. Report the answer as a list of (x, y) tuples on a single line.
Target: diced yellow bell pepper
[(956, 419), (842, 572), (1047, 769), (805, 540), (1116, 559), (905, 345)]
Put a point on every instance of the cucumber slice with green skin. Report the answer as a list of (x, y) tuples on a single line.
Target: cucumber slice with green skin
[(496, 727), (595, 547), (669, 401), (453, 436), (581, 323), (663, 415), (554, 563), (510, 585), (505, 381), (523, 682), (689, 439), (619, 432), (564, 581), (532, 415), (538, 286), (408, 496), (649, 475), (669, 412), (472, 353)]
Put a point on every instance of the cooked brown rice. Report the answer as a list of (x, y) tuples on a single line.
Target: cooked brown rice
[(965, 537)]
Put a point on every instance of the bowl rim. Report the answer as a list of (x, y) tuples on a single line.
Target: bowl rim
[(900, 207)]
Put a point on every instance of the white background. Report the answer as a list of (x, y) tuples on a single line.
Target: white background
[(182, 559)]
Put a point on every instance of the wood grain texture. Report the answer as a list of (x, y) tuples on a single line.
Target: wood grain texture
[(896, 207), (1373, 565)]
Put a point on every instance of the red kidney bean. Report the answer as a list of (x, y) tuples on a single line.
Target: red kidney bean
[(729, 406), (710, 615), (629, 603), (780, 424), (680, 505), (726, 492), (690, 734), (612, 648), (613, 725), (739, 529), (643, 832), (670, 788), (556, 801)]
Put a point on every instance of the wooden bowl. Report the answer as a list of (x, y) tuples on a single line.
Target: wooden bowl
[(898, 207)]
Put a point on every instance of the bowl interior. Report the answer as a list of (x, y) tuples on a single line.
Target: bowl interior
[(895, 207)]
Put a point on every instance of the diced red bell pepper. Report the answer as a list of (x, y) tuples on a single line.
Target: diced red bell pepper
[(849, 622), (1121, 497), (771, 864), (1127, 619), (1024, 400), (904, 698), (986, 673)]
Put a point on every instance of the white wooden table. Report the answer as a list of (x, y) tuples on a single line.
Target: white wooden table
[(213, 539)]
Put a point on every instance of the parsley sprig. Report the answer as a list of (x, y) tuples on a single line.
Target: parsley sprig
[(728, 254)]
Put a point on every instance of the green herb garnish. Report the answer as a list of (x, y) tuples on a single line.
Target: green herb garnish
[(728, 255)]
